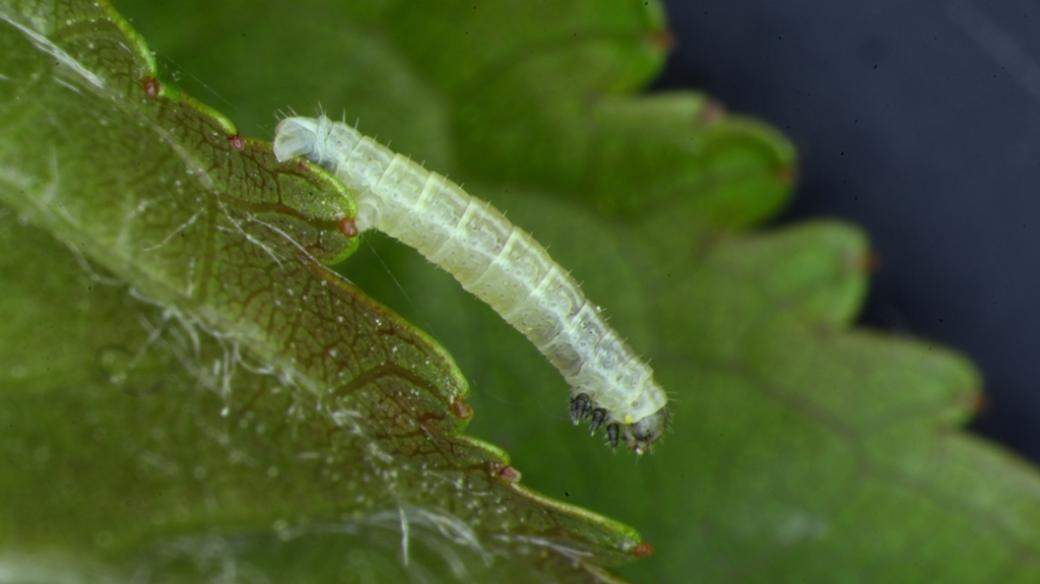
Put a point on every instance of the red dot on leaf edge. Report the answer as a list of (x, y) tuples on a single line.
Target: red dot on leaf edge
[(151, 87), (643, 550)]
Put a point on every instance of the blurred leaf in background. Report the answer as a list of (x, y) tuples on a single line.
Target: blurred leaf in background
[(801, 450)]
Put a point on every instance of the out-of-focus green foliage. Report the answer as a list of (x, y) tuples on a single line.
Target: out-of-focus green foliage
[(187, 394)]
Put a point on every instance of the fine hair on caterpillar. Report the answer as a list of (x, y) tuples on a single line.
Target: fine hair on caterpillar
[(497, 262)]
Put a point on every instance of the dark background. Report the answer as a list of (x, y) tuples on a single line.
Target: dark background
[(920, 121)]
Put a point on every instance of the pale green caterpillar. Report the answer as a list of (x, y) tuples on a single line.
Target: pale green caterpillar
[(500, 264)]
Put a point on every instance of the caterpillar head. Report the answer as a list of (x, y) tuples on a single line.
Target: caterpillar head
[(639, 436)]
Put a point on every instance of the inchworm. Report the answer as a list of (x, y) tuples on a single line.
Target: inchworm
[(497, 262)]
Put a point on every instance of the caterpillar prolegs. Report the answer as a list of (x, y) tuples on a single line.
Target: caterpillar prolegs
[(497, 262)]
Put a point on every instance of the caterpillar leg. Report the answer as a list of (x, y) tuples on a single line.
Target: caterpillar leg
[(596, 419), (638, 436), (580, 407), (613, 434)]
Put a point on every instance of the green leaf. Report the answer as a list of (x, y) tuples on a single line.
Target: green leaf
[(802, 450), (187, 386)]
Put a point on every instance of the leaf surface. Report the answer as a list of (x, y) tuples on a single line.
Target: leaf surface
[(187, 384), (802, 449)]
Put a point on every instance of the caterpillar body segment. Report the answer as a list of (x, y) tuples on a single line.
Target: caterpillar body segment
[(497, 262)]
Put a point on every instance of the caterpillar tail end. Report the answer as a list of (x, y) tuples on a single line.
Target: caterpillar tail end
[(294, 137)]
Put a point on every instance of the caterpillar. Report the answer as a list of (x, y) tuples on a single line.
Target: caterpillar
[(497, 262)]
